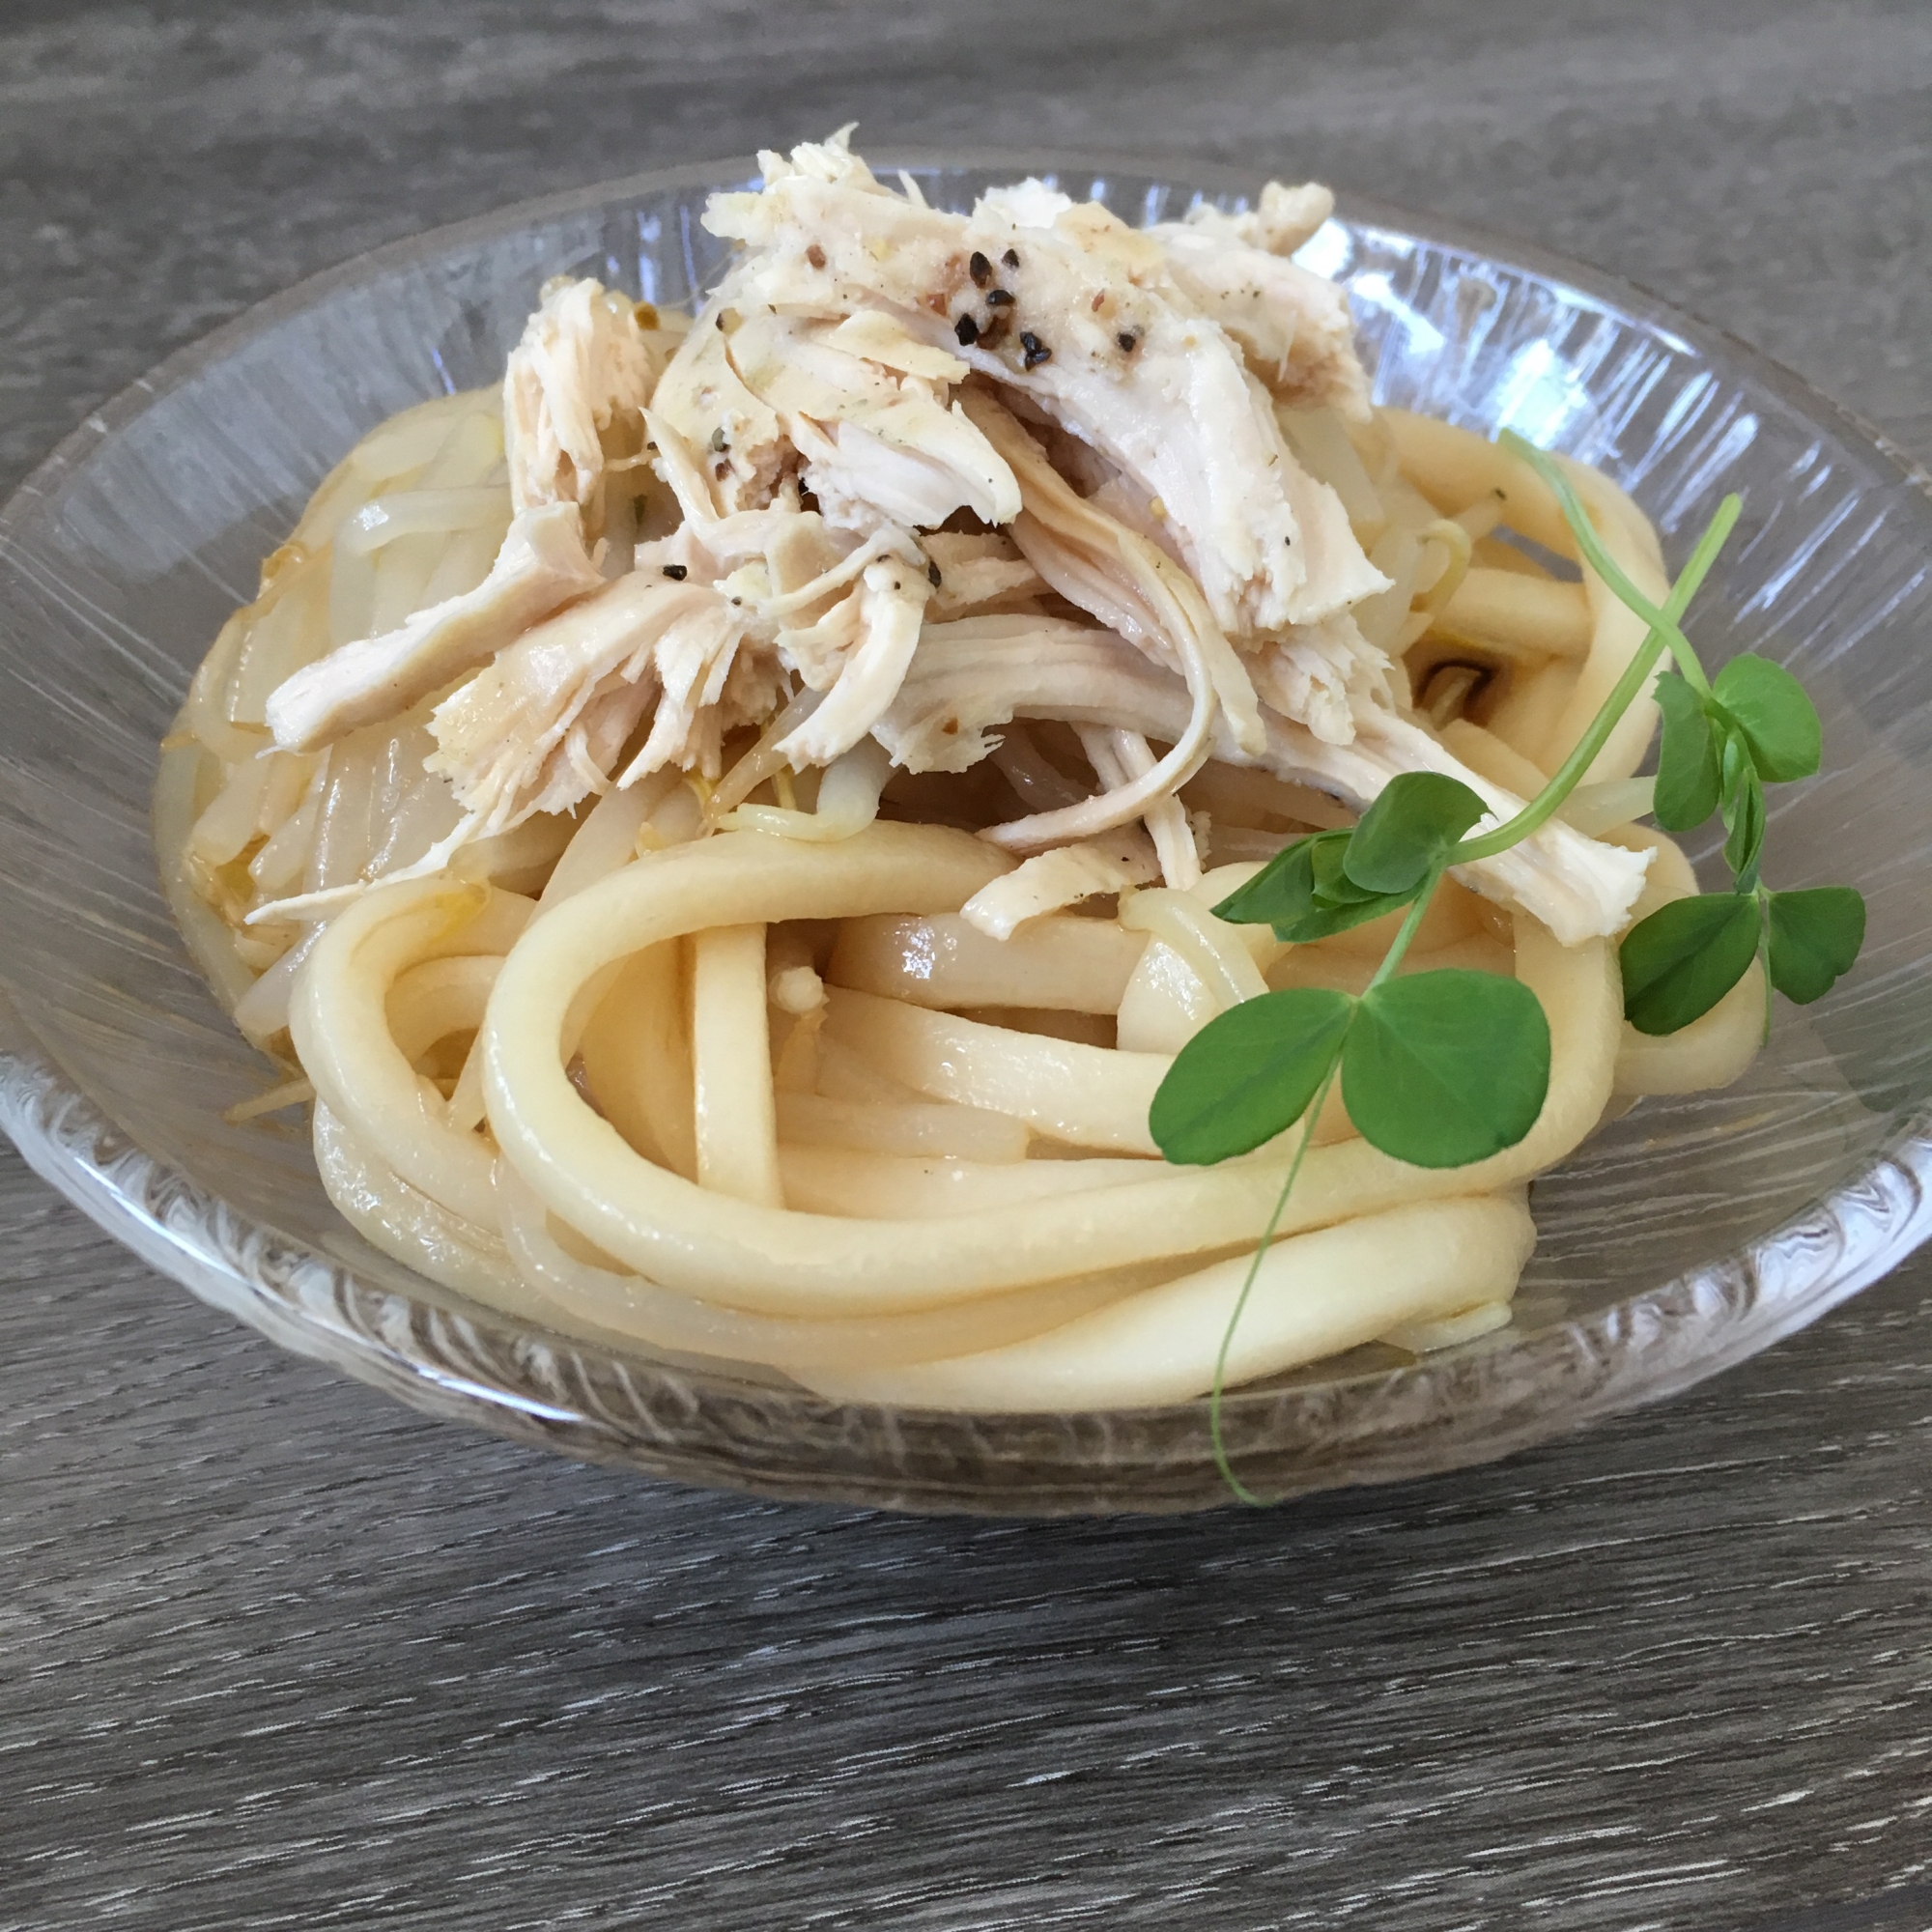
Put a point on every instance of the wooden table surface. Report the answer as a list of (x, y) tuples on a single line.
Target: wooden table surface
[(274, 1653)]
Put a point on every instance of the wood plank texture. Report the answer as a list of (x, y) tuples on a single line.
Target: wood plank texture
[(274, 1653)]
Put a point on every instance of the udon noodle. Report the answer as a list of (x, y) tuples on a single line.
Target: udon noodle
[(723, 832)]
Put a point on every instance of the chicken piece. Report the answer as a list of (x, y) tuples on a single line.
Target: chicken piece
[(892, 468), (978, 574), (1049, 882), (541, 728), (1100, 565), (694, 661), (1124, 579), (891, 603), (879, 442), (855, 409), (580, 379), (576, 385), (501, 738), (802, 557), (972, 677), (1293, 327), (926, 731), (1118, 758), (874, 336), (1284, 219), (725, 450), (1082, 316), (1313, 673), (841, 613), (541, 567)]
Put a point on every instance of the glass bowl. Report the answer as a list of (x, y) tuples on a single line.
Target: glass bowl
[(1680, 1239)]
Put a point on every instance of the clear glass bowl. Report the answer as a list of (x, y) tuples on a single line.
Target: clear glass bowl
[(1682, 1239)]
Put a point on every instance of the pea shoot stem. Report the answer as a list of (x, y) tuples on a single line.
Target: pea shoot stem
[(1603, 562), (1242, 1491), (1404, 936), (1570, 774), (1406, 933)]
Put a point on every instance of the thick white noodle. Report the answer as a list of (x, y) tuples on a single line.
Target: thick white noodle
[(626, 1304), (731, 1064), (783, 1262), (1091, 1097), (339, 1022), (1314, 1294)]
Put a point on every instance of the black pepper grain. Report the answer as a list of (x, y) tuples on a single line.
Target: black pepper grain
[(979, 268), (1128, 340), (999, 297), (718, 438), (1036, 352), (932, 573), (967, 330), (676, 572), (1012, 258)]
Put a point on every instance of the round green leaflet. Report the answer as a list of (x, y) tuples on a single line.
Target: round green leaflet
[(1815, 936), (1446, 1067), (1684, 957), (1410, 831), (1689, 777), (1248, 1074), (1776, 716)]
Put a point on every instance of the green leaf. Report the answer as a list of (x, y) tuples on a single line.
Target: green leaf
[(1324, 921), (1815, 936), (1744, 813), (1333, 885), (1778, 722), (1248, 1074), (1684, 957), (1410, 831), (1283, 889), (1687, 764), (1443, 1069), (1287, 894)]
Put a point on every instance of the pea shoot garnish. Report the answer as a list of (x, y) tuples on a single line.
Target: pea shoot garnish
[(1446, 1067)]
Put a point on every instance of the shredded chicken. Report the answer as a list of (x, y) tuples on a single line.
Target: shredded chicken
[(575, 385), (980, 573), (541, 566), (577, 381), (1292, 327), (542, 726), (1085, 321), (1281, 221), (1051, 881), (910, 476), (969, 678)]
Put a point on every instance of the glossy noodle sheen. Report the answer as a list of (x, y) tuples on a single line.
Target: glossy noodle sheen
[(729, 828)]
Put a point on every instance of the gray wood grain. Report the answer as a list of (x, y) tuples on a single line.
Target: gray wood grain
[(274, 1653)]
